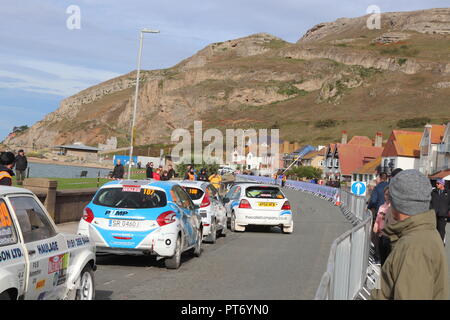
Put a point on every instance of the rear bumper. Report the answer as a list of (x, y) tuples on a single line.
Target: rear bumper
[(160, 242), (259, 217)]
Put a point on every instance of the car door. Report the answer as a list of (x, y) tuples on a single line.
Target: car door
[(47, 250), (219, 209), (13, 265), (187, 217)]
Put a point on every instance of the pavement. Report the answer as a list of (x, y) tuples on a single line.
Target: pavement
[(258, 264)]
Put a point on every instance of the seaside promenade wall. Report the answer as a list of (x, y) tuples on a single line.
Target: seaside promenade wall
[(62, 205)]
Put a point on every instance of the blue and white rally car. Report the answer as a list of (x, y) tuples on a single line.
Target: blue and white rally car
[(256, 204), (141, 217)]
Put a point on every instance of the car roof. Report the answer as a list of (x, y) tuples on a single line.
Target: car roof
[(249, 184), (196, 184), (6, 190), (166, 185)]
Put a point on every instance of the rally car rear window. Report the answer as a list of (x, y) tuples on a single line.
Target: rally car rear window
[(138, 198), (194, 193), (263, 193)]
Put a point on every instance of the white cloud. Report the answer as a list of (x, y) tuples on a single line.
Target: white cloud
[(51, 77)]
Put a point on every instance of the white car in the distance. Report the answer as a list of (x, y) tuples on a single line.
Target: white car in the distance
[(210, 207), (36, 261), (256, 204)]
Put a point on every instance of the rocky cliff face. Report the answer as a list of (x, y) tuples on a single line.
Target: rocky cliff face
[(263, 81)]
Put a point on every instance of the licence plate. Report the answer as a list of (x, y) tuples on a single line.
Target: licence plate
[(267, 204), (126, 224)]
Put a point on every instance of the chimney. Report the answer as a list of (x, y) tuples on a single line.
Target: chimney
[(378, 139), (344, 137)]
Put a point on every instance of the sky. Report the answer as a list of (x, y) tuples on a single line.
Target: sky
[(52, 49)]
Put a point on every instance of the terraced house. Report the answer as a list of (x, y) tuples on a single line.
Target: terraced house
[(343, 159)]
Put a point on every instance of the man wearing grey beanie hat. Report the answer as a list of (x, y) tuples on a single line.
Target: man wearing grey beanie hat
[(417, 266)]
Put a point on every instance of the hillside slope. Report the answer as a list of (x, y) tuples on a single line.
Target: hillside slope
[(365, 80)]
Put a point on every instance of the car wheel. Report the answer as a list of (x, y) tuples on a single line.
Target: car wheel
[(213, 233), (86, 284), (233, 223), (198, 245), (288, 229), (174, 261), (5, 296)]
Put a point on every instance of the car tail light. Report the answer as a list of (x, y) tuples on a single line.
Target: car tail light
[(205, 201), (88, 215), (244, 204), (286, 206), (166, 218)]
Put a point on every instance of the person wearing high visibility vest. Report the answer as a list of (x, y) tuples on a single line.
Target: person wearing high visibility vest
[(190, 175), (215, 180), (283, 180), (6, 164)]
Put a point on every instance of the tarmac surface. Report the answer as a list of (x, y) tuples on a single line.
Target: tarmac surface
[(260, 263)]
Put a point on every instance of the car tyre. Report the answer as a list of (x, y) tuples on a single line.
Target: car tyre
[(86, 284), (174, 261), (213, 234), (5, 296), (198, 245)]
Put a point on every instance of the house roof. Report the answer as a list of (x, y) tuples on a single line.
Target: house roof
[(444, 174), (314, 154), (370, 167), (403, 143), (352, 156), (361, 140), (437, 133)]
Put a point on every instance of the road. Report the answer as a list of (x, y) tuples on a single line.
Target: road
[(258, 264)]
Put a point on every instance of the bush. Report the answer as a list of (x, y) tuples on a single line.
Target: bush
[(413, 122), (307, 172), (328, 123)]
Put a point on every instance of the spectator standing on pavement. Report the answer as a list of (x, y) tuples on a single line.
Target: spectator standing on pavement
[(118, 171), (283, 180), (377, 196), (440, 202), (190, 174), (6, 164), (170, 172), (157, 174), (382, 242), (203, 176), (149, 170), (21, 165), (165, 176), (215, 180), (417, 266)]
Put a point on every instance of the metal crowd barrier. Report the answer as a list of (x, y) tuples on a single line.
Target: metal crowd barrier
[(348, 261)]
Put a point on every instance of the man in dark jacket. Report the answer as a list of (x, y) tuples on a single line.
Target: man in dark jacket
[(377, 196), (21, 165), (118, 171), (170, 172), (149, 170), (440, 202), (417, 266), (6, 164), (203, 176)]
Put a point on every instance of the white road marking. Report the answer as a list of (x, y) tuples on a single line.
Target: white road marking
[(108, 282), (129, 275)]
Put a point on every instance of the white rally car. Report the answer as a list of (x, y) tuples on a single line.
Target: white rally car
[(256, 204), (37, 262), (213, 213)]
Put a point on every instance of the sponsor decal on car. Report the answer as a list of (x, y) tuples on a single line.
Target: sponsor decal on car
[(47, 247), (40, 284), (77, 242), (11, 254), (58, 265)]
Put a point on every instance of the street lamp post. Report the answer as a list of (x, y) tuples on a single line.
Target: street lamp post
[(136, 95)]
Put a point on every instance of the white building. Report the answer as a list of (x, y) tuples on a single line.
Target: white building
[(431, 139), (402, 150)]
